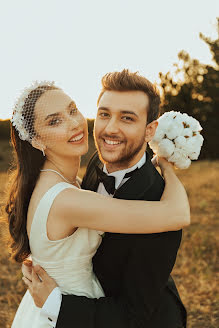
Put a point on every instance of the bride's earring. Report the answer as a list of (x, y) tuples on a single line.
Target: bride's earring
[(43, 152)]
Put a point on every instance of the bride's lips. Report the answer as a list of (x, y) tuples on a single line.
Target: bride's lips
[(77, 138)]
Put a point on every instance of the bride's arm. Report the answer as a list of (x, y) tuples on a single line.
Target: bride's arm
[(80, 208)]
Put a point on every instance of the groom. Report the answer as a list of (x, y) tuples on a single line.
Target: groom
[(133, 269)]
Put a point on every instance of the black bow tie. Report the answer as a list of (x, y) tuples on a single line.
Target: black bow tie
[(109, 180)]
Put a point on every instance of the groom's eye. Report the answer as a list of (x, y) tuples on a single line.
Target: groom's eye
[(127, 118), (103, 114)]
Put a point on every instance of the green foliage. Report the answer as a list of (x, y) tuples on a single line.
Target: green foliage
[(193, 88)]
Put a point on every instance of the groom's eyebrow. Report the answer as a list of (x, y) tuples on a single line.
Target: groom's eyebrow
[(129, 112), (103, 108)]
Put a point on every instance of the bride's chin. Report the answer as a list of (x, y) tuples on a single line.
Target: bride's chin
[(79, 153)]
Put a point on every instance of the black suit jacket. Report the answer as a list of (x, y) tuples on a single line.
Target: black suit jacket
[(133, 269)]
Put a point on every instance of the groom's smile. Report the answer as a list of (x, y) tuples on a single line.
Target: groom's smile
[(111, 142)]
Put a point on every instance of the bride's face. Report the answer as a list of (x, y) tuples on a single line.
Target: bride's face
[(61, 129)]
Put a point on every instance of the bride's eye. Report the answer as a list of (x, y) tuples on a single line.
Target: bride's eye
[(73, 111), (55, 121)]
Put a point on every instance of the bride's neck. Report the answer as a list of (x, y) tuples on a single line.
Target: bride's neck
[(67, 167)]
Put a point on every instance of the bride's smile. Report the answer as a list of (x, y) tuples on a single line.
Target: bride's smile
[(60, 127)]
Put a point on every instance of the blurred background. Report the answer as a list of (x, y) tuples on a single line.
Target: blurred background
[(174, 44)]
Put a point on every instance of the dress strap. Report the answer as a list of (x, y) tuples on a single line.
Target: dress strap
[(44, 206)]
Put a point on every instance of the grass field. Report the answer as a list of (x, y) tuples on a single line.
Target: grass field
[(195, 272)]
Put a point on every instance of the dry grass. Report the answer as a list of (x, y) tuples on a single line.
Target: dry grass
[(195, 271)]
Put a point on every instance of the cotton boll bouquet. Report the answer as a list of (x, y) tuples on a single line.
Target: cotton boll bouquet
[(177, 139)]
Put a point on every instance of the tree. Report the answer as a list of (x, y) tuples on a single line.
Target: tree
[(193, 88)]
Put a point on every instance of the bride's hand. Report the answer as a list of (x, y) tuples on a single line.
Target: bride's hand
[(162, 163)]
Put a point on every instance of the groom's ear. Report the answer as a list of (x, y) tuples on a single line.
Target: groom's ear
[(150, 130)]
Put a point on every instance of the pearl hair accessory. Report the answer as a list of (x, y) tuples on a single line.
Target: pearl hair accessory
[(18, 120)]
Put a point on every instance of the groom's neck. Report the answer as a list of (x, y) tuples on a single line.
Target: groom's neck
[(119, 166)]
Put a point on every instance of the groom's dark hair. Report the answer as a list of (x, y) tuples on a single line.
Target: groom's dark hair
[(127, 81)]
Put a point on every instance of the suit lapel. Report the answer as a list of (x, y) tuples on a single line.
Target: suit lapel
[(90, 180)]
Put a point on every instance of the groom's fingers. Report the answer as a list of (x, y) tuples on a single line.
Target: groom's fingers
[(39, 271), (35, 277), (28, 283), (27, 271)]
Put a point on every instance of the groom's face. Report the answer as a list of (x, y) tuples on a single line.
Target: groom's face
[(120, 126)]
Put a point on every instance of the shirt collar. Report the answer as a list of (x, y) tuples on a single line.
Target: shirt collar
[(119, 175)]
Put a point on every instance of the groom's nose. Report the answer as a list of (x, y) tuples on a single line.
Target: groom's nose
[(112, 126)]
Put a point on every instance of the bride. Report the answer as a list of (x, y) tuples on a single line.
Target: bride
[(55, 221)]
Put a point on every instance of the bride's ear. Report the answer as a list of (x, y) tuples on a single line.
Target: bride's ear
[(150, 130), (38, 145)]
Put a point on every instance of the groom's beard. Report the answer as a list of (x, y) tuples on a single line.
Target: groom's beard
[(122, 158)]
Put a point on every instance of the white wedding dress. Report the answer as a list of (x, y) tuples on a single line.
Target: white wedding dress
[(68, 261)]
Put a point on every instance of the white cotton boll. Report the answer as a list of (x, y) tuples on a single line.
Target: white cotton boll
[(180, 127), (183, 163), (164, 124), (177, 155), (178, 119), (159, 135), (194, 143), (171, 114), (193, 146), (194, 155), (194, 124), (185, 118), (180, 142), (187, 132), (173, 132), (165, 148), (199, 139), (190, 146)]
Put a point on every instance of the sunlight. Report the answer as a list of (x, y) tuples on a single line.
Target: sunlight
[(80, 51)]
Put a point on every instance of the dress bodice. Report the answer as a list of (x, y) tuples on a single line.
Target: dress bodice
[(68, 260)]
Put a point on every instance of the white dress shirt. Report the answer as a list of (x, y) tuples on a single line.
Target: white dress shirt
[(52, 305)]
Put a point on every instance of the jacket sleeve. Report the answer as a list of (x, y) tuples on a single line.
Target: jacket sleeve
[(152, 256), (93, 162)]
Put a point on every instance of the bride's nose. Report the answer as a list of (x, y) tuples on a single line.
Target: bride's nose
[(73, 123)]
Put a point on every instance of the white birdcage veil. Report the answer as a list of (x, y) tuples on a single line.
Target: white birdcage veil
[(23, 114), (42, 115)]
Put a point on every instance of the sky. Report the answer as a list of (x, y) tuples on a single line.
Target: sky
[(75, 42)]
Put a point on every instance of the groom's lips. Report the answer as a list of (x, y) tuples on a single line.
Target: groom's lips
[(111, 143)]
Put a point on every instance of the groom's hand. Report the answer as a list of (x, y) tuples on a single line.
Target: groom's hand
[(27, 269), (41, 285)]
